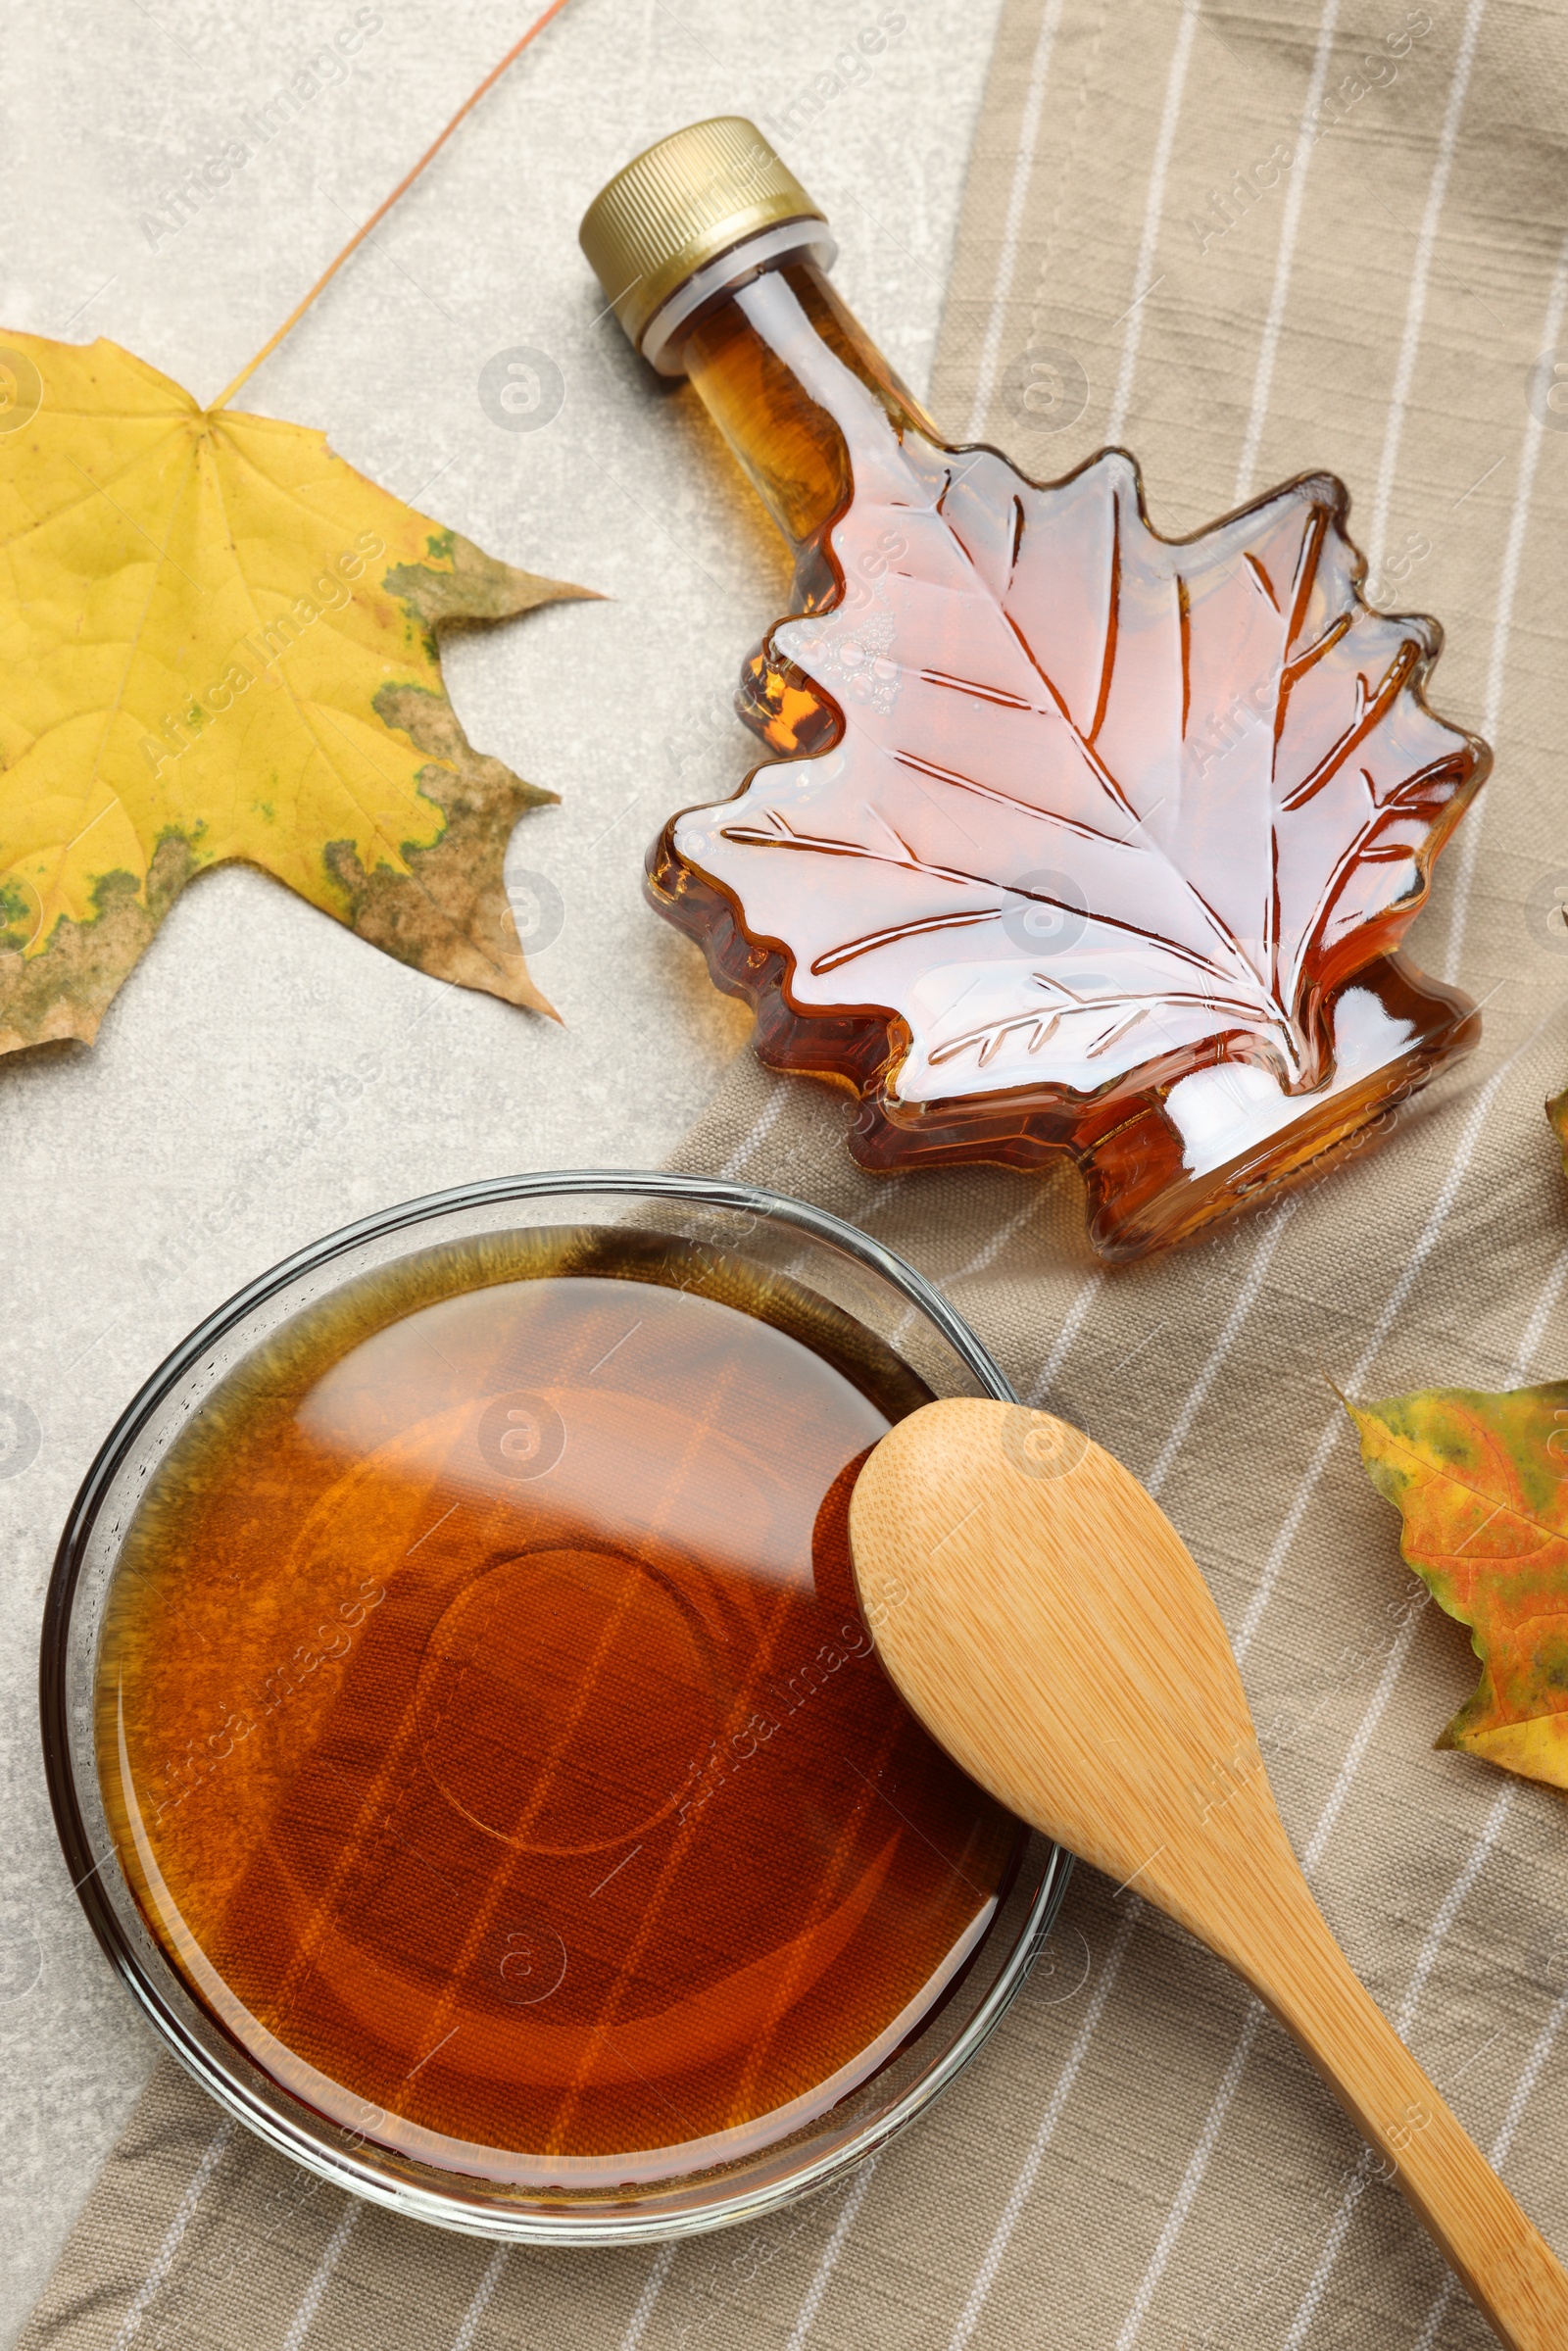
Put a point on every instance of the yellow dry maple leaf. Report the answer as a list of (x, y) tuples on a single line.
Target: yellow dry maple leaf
[(218, 641)]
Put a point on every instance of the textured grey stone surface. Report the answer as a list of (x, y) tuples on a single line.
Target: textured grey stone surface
[(212, 1127)]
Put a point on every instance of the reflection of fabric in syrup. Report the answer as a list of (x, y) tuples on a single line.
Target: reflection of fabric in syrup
[(611, 1710)]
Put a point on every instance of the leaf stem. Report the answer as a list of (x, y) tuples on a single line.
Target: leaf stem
[(381, 211)]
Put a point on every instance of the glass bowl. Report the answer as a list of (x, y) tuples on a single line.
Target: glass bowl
[(678, 1233)]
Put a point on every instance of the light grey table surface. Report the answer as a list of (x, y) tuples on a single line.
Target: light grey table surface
[(217, 1123)]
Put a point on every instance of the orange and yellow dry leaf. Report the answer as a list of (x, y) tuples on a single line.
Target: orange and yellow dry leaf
[(1557, 1113), (1481, 1481), (218, 641)]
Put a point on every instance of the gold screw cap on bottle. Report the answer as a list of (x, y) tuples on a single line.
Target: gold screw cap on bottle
[(676, 209)]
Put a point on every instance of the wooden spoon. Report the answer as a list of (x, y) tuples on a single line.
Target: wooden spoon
[(1046, 1622)]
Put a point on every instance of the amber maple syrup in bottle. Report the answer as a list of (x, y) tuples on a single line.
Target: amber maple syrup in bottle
[(1075, 839), (489, 1734)]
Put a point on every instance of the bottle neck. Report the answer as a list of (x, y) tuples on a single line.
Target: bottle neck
[(803, 398)]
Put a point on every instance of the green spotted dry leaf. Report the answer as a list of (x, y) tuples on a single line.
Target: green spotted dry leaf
[(1481, 1481), (217, 641)]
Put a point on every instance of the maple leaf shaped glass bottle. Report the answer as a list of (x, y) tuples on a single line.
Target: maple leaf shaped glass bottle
[(1076, 838)]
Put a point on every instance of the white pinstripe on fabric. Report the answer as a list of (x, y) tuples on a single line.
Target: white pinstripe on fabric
[(1154, 209), (989, 1251), (1193, 2176), (1470, 1136), (303, 2318), (1285, 258), (482, 2292), (1012, 222), (811, 2300), (654, 2285), (765, 1121), (173, 2235), (1426, 1961), (1416, 299), (1535, 1329), (1328, 1820), (1072, 1323), (1452, 1903), (1208, 2137), (1245, 1299), (1438, 2313), (1339, 2231), (1502, 623), (1524, 2089), (1534, 2065), (1023, 2184)]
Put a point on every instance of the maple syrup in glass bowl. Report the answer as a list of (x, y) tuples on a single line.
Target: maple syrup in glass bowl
[(463, 1735)]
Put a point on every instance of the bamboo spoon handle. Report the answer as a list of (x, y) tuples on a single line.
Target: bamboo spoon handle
[(1043, 1619), (1510, 2272)]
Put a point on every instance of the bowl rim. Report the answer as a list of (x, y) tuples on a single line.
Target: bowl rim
[(561, 2224)]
